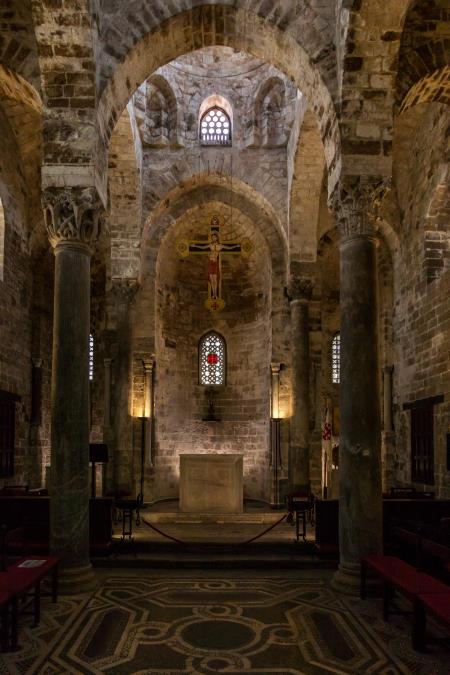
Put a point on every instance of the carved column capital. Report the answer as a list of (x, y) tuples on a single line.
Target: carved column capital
[(148, 364), (300, 288), (72, 215), (356, 204)]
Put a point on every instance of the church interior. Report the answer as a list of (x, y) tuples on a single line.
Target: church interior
[(225, 291)]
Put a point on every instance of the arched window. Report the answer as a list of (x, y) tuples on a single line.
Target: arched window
[(91, 357), (215, 127), (336, 359), (212, 359), (2, 239)]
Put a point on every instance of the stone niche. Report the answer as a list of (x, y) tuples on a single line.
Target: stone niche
[(181, 404)]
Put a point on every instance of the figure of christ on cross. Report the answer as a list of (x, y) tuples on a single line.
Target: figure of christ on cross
[(214, 248)]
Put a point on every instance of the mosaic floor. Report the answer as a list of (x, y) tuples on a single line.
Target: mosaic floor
[(210, 622)]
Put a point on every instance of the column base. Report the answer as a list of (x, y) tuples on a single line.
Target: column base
[(347, 579), (74, 580)]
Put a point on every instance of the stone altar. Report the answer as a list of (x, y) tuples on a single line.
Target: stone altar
[(211, 483)]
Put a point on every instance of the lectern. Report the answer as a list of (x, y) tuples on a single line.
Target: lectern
[(98, 454)]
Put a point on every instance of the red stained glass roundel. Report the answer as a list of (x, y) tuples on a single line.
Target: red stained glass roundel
[(212, 359)]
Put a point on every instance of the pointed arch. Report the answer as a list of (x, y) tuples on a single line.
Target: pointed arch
[(160, 113), (270, 108), (228, 26)]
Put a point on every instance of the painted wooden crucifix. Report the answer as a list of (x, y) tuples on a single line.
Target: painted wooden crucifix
[(215, 249)]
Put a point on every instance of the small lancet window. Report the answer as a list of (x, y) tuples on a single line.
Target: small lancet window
[(215, 127), (91, 358), (212, 359), (336, 359)]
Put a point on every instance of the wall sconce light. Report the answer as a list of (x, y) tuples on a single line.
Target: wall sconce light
[(275, 444)]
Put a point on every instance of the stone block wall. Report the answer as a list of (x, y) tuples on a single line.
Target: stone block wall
[(15, 335), (421, 322), (243, 404), (182, 87)]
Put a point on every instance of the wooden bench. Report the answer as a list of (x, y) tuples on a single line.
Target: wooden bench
[(425, 592), (33, 514), (19, 580), (438, 606), (426, 554), (5, 608)]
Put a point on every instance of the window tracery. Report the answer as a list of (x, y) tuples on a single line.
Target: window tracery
[(215, 127), (212, 359), (91, 357), (336, 359)]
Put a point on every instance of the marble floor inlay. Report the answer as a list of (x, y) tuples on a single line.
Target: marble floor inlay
[(174, 623)]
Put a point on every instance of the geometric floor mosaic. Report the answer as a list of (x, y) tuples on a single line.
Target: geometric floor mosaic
[(146, 623)]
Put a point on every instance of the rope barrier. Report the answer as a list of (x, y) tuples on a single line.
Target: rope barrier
[(186, 543)]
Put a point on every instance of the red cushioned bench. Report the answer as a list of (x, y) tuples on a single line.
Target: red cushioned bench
[(397, 575), (438, 606), (19, 580), (5, 603)]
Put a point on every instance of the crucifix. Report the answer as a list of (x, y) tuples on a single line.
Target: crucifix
[(215, 249)]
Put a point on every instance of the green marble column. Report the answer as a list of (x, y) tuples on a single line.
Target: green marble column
[(360, 503), (71, 218)]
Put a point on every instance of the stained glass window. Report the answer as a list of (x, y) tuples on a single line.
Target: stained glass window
[(215, 127), (91, 357), (336, 359), (212, 359)]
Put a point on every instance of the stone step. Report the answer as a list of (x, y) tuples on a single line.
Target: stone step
[(179, 560), (178, 518)]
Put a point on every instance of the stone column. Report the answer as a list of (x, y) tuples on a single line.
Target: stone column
[(360, 505), (275, 389), (300, 289), (71, 218), (107, 395), (148, 411), (388, 435), (387, 398), (120, 317)]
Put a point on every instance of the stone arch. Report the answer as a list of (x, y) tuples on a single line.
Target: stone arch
[(424, 50), (270, 113), (202, 189), (306, 188), (18, 44), (161, 118), (234, 193), (21, 119), (369, 39), (222, 103), (437, 228), (14, 87), (222, 25), (432, 87)]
